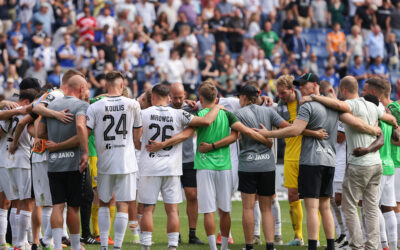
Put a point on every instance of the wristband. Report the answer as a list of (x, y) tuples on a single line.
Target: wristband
[(213, 146)]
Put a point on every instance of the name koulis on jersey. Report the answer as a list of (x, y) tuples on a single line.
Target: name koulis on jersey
[(61, 155), (258, 157), (114, 108)]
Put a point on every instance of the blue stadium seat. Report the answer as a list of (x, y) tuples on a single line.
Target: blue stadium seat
[(320, 51)]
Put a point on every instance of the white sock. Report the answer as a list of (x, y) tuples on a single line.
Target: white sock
[(173, 239), (75, 241), (344, 223), (212, 242), (3, 226), (134, 226), (46, 215), (65, 232), (276, 211), (14, 225), (104, 225), (121, 221), (224, 245), (257, 218), (382, 228), (145, 238), (29, 230), (398, 225), (391, 229), (24, 218), (57, 236)]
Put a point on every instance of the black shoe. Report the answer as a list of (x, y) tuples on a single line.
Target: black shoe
[(341, 239), (195, 240), (43, 244), (90, 240), (34, 247), (180, 239), (345, 244), (66, 241)]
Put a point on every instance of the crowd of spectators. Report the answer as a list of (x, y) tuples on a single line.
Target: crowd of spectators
[(187, 41)]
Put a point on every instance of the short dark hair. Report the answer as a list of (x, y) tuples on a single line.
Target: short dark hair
[(69, 74), (377, 84), (28, 94), (161, 90), (112, 76)]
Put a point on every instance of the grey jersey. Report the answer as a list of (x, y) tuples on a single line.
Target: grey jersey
[(316, 152), (255, 156), (64, 160), (187, 146)]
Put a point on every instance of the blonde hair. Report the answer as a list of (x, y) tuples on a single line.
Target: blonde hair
[(208, 91), (285, 81)]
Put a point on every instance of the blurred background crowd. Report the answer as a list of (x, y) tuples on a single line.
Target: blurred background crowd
[(188, 41)]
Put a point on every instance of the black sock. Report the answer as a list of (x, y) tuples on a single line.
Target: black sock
[(330, 244), (249, 246), (270, 246), (192, 232), (312, 244)]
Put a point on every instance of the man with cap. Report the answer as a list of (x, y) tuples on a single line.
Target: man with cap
[(317, 157)]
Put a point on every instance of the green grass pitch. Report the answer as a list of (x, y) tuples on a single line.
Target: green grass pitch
[(161, 242)]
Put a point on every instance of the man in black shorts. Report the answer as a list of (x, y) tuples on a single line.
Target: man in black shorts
[(317, 157), (65, 166), (188, 179)]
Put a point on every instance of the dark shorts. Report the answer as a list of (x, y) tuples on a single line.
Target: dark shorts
[(315, 181), (66, 187), (188, 178), (261, 183)]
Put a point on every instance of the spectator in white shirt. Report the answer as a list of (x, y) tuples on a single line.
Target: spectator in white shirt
[(147, 12), (47, 53), (171, 10), (191, 65), (174, 70), (160, 50), (127, 5), (107, 19)]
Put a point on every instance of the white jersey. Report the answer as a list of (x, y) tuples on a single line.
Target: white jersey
[(159, 124), (341, 157), (4, 143), (21, 157), (112, 119), (47, 98)]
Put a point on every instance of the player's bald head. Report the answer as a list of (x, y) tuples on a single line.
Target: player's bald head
[(177, 89), (177, 94), (76, 82)]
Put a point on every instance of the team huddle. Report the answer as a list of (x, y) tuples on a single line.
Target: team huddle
[(67, 159)]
